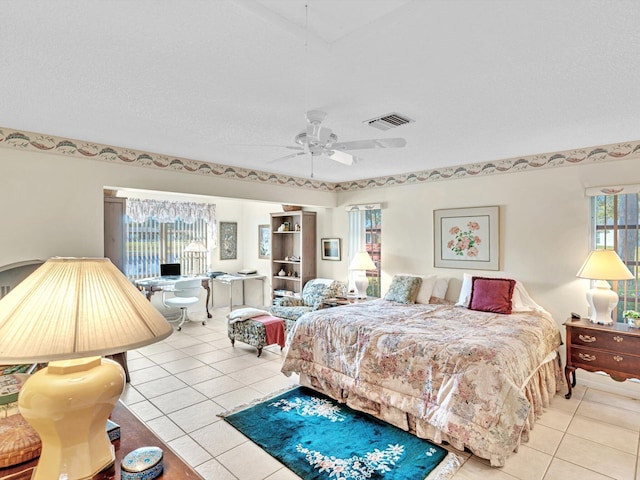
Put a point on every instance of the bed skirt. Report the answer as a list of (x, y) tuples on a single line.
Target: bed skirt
[(539, 390)]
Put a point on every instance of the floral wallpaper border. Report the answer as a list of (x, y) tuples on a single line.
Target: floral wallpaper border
[(61, 146)]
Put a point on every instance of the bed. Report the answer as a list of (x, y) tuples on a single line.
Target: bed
[(474, 379)]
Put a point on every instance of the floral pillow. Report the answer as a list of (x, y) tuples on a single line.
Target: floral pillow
[(403, 289)]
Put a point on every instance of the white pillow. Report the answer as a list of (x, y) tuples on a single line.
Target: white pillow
[(245, 313), (440, 287), (426, 287), (520, 300), (465, 291)]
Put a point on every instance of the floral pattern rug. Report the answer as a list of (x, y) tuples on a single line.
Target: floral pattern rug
[(318, 438)]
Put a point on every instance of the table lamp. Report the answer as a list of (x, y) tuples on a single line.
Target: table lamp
[(196, 257), (70, 312), (362, 262), (603, 265)]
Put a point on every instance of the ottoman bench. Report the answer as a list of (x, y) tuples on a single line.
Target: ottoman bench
[(257, 328)]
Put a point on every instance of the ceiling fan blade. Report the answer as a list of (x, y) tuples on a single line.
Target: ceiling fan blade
[(291, 155), (341, 157), (373, 143)]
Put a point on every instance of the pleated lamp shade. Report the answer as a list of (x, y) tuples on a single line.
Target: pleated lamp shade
[(76, 307), (196, 247), (603, 265)]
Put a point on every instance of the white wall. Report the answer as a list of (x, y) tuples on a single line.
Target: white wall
[(54, 203), (53, 206)]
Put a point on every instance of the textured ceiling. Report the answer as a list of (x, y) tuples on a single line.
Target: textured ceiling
[(230, 81)]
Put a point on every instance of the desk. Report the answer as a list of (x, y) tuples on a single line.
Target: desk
[(157, 284), (133, 434), (229, 280)]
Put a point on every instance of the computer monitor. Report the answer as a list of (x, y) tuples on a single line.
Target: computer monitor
[(170, 269)]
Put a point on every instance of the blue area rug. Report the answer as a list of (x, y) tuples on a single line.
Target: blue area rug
[(318, 438)]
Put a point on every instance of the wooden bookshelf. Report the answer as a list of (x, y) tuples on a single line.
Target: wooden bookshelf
[(293, 251)]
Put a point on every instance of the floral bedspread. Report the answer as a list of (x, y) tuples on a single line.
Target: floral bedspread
[(461, 371)]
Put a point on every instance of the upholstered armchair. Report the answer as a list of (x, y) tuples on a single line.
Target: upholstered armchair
[(314, 293)]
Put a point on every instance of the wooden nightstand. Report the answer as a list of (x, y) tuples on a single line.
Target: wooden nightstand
[(613, 349)]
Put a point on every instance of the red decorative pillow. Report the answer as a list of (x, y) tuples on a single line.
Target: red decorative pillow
[(491, 294)]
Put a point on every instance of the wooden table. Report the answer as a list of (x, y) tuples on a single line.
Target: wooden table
[(613, 349), (133, 434)]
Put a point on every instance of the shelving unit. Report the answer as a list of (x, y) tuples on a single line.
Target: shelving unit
[(300, 244)]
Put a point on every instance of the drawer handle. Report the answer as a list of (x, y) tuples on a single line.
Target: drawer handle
[(617, 358), (618, 338), (586, 357), (587, 338)]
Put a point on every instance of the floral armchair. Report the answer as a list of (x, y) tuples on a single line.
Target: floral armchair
[(314, 293)]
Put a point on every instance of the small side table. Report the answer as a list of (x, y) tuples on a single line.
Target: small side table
[(613, 349)]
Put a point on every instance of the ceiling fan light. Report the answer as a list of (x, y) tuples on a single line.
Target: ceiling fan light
[(318, 134), (303, 139)]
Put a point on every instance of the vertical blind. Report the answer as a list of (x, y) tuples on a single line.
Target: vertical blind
[(158, 232)]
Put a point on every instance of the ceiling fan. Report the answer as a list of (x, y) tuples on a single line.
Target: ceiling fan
[(319, 140)]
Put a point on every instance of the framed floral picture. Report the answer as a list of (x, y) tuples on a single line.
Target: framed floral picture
[(467, 238), (264, 241), (228, 240)]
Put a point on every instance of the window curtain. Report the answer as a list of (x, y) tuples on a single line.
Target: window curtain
[(163, 211), (356, 239)]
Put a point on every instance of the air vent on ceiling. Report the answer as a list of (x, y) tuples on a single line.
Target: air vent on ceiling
[(388, 121)]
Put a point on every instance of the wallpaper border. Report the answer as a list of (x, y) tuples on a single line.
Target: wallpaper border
[(30, 141)]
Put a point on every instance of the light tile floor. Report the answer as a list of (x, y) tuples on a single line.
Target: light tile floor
[(179, 385)]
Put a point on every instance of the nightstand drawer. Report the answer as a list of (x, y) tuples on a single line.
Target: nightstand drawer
[(605, 340), (603, 360)]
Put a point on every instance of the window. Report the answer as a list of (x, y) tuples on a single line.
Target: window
[(165, 232), (615, 220), (365, 233)]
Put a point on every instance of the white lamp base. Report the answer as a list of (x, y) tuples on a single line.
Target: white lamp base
[(602, 300), (68, 404), (362, 283)]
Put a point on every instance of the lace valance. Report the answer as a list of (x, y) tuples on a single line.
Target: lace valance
[(139, 210)]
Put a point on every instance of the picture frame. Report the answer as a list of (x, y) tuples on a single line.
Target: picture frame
[(330, 248), (467, 238), (228, 240), (264, 241)]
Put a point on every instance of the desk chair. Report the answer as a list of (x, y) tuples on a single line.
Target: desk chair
[(185, 294)]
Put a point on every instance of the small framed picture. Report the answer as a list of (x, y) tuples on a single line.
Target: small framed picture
[(286, 226), (330, 248)]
